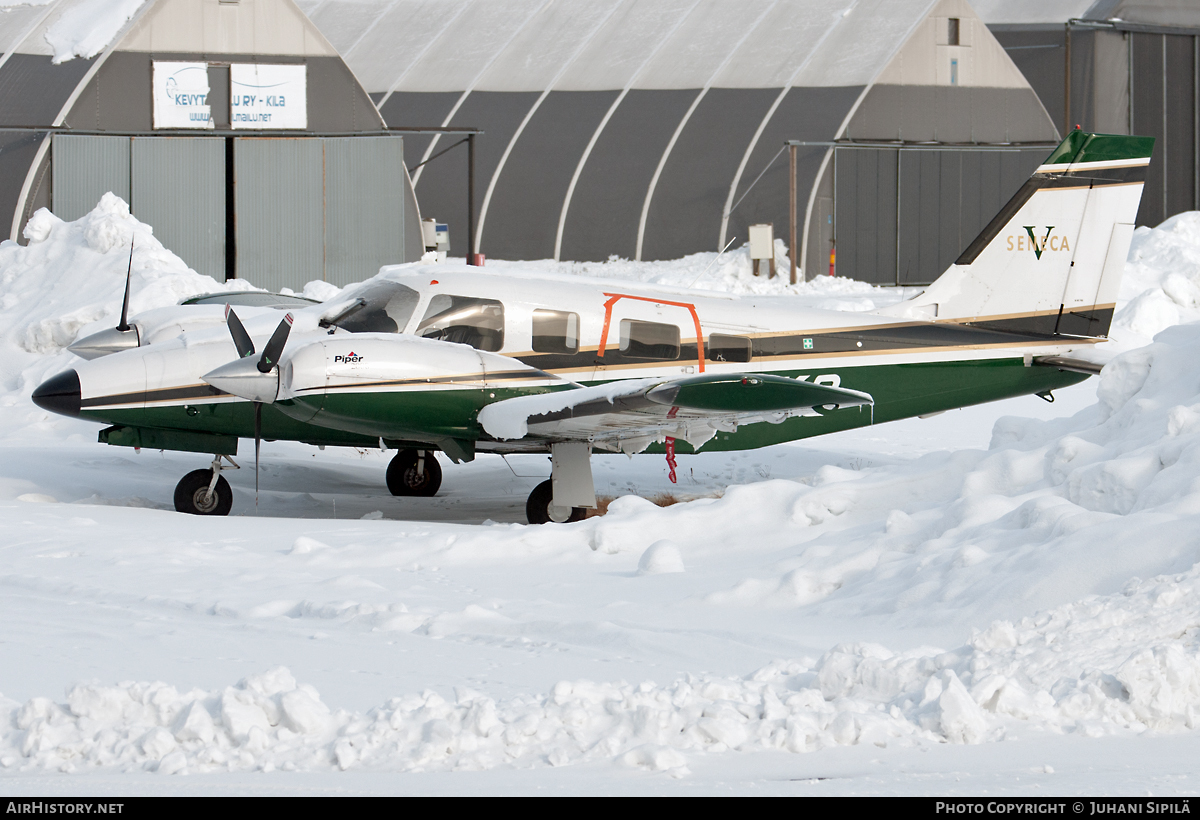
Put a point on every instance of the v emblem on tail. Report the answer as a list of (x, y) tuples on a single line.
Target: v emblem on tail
[(1038, 246)]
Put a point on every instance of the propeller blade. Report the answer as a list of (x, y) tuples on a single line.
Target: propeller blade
[(241, 339), (257, 447), (274, 348), (124, 325)]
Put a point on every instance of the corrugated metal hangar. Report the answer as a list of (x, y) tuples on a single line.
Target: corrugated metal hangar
[(653, 128), (1120, 67), (231, 126)]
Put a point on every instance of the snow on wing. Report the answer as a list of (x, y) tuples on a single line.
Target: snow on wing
[(630, 415)]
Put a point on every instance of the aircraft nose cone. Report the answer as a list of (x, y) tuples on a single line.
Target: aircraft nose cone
[(59, 394)]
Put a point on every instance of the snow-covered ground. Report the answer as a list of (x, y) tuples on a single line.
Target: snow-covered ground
[(1002, 599)]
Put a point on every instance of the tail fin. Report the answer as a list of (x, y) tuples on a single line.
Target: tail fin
[(1051, 260)]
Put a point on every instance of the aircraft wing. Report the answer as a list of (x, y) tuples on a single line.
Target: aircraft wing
[(630, 415)]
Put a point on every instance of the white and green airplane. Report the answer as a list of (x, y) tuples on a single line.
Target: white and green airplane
[(437, 358)]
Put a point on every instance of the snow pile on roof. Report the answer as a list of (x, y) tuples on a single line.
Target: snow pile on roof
[(87, 27), (1119, 664)]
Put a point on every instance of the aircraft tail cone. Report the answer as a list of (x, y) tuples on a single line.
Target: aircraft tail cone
[(59, 394)]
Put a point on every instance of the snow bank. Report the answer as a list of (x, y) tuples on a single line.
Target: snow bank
[(69, 281), (660, 557), (1121, 664), (1161, 284), (1055, 517), (71, 274), (1054, 511)]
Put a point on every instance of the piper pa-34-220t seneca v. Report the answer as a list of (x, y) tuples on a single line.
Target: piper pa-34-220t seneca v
[(430, 358)]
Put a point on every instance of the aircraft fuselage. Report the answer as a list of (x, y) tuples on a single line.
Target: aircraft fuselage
[(412, 398)]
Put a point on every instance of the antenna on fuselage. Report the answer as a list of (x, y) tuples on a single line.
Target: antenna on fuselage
[(715, 258), (124, 324)]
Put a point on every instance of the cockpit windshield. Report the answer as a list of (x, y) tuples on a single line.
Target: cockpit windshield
[(374, 307)]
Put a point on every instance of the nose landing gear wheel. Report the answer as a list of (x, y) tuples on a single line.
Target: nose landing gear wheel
[(192, 494), (406, 475), (540, 509)]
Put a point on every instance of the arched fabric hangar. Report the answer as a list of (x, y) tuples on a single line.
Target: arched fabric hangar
[(642, 128)]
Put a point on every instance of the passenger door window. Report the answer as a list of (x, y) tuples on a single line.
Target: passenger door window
[(649, 340), (555, 331)]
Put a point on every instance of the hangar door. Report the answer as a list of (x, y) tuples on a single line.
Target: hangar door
[(330, 209), (1165, 70), (309, 208), (174, 184), (84, 169), (903, 215), (177, 185)]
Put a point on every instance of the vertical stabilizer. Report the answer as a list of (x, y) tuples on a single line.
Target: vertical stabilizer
[(1051, 260)]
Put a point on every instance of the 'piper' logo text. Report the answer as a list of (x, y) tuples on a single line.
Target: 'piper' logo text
[(349, 358), (1038, 244)]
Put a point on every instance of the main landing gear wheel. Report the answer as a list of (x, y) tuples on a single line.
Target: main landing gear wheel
[(197, 495), (540, 509), (414, 472)]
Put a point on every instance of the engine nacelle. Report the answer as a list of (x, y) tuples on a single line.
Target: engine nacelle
[(370, 382)]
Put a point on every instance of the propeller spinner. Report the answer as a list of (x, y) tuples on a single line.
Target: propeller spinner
[(256, 379)]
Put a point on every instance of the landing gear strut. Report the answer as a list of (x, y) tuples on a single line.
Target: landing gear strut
[(414, 472), (569, 491), (205, 492), (540, 509)]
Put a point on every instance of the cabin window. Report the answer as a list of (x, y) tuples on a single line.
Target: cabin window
[(555, 331), (649, 340), (464, 320), (952, 31), (723, 348)]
